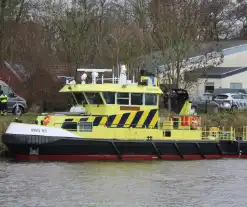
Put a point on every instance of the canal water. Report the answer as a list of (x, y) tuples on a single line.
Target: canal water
[(206, 183)]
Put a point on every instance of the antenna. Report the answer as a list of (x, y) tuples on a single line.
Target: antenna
[(83, 78), (123, 77), (94, 70), (68, 79), (95, 74)]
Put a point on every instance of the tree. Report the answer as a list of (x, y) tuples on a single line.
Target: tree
[(2, 14), (176, 34), (11, 12), (240, 12), (216, 19)]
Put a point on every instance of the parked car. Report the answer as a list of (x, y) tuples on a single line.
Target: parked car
[(16, 104), (204, 104), (218, 91), (231, 101)]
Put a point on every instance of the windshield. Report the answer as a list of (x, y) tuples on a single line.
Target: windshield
[(6, 90), (80, 98), (94, 98), (109, 97), (221, 97)]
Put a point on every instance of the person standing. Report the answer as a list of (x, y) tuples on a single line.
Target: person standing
[(3, 103)]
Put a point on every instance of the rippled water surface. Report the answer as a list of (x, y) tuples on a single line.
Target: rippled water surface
[(221, 183)]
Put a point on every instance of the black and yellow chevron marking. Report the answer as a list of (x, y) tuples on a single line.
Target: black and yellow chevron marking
[(140, 119), (96, 120)]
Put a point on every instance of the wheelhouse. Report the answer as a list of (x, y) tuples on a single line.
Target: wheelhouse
[(103, 98)]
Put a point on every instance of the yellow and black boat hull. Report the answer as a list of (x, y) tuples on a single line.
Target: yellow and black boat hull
[(55, 148)]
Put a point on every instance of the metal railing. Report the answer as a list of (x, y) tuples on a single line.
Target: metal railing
[(211, 133), (218, 133)]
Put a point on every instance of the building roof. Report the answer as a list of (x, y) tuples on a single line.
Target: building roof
[(60, 70), (152, 61), (3, 83), (215, 72), (18, 70)]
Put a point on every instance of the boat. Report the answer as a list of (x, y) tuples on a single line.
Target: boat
[(119, 119)]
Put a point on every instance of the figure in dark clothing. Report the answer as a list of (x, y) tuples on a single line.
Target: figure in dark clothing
[(3, 103)]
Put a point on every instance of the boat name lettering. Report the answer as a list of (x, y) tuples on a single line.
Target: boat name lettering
[(39, 130)]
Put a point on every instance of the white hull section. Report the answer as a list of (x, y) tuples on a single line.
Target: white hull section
[(32, 129)]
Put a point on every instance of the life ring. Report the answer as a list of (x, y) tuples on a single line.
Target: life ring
[(47, 120)]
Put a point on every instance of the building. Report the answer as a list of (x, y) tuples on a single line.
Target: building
[(22, 82), (232, 73), (218, 77), (153, 61), (15, 75)]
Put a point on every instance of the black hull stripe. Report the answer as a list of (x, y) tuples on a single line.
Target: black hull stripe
[(97, 120), (110, 120), (123, 120), (136, 119), (66, 147), (83, 119), (149, 118)]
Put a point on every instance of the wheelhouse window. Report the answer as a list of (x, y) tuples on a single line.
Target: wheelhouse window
[(94, 98), (150, 99), (123, 98), (136, 99), (109, 97), (80, 98)]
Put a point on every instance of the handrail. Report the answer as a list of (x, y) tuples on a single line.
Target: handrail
[(216, 133)]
